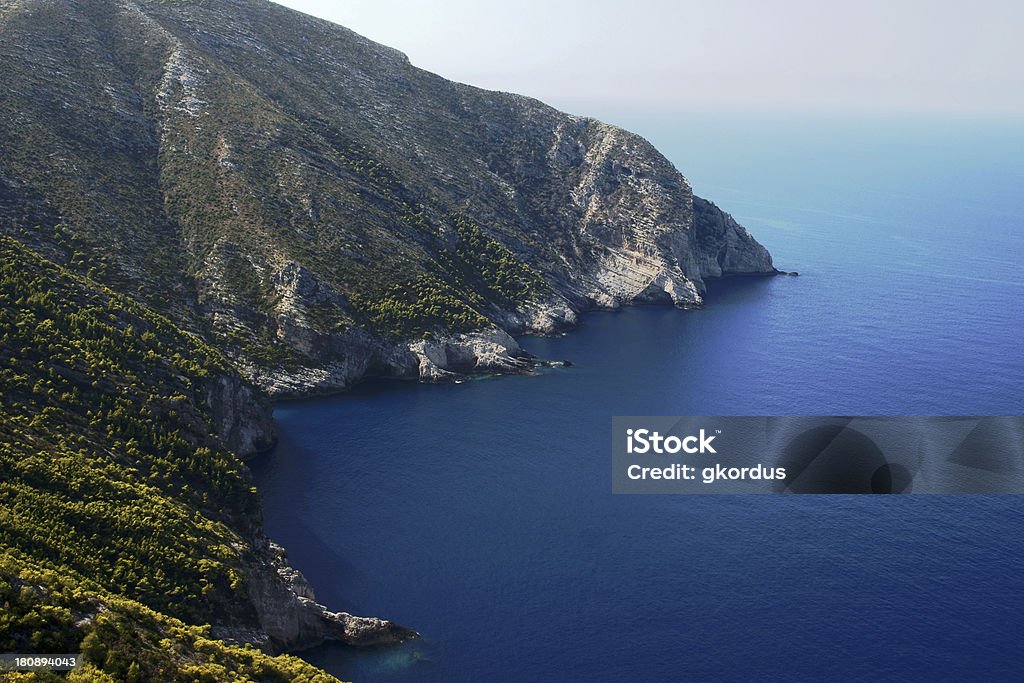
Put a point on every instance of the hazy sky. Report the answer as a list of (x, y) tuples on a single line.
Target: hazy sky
[(888, 55)]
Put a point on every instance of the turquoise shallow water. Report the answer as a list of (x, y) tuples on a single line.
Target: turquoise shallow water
[(481, 514)]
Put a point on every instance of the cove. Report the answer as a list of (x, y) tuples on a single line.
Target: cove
[(481, 514)]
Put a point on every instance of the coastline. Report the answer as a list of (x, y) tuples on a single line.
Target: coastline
[(378, 632), (517, 361)]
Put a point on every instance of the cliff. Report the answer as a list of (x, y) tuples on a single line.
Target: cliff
[(322, 209)]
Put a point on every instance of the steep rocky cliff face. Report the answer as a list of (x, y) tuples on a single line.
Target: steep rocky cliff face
[(240, 415), (290, 618), (319, 207)]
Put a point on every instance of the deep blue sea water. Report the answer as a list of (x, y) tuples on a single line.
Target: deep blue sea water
[(481, 514)]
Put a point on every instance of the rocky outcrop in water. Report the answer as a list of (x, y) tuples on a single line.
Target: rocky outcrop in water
[(291, 619)]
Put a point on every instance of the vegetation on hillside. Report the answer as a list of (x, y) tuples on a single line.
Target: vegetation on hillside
[(50, 611), (120, 511), (477, 274), (489, 267), (420, 307)]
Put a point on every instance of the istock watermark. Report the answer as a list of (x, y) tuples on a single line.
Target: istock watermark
[(866, 454), (647, 441)]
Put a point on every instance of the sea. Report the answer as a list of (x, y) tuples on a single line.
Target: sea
[(481, 514)]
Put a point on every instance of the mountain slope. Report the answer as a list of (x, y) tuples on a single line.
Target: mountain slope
[(116, 483), (121, 639), (318, 207)]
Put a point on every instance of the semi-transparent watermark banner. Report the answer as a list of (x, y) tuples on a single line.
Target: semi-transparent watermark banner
[(818, 454)]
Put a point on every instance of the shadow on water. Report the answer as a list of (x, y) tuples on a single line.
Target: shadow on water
[(739, 289)]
